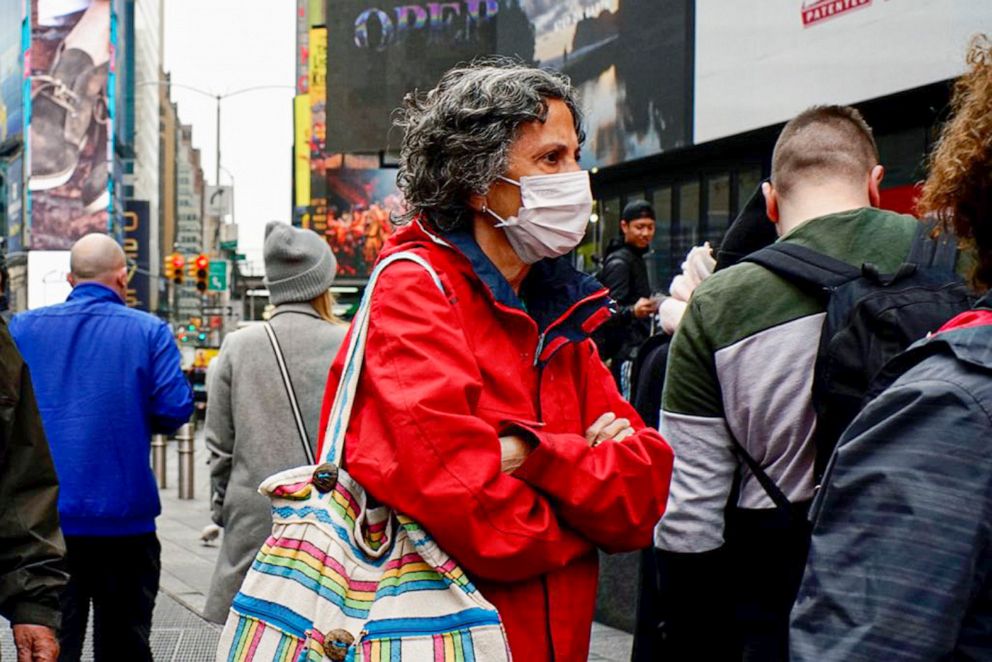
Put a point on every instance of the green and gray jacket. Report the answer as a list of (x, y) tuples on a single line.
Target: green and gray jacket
[(31, 545), (742, 364)]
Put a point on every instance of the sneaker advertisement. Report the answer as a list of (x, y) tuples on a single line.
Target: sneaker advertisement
[(69, 126)]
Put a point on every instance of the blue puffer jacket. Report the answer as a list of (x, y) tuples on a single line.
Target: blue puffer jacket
[(900, 566), (106, 377)]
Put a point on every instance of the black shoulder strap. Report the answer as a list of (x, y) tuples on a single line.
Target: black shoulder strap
[(771, 489), (804, 266), (926, 251)]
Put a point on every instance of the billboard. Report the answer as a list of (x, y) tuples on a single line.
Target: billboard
[(11, 71), (760, 62), (630, 60), (70, 126), (359, 204), (137, 226), (13, 202), (48, 273), (301, 149)]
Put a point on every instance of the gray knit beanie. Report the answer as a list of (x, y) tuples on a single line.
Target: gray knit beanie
[(299, 265)]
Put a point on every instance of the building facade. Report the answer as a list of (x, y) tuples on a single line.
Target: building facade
[(189, 221)]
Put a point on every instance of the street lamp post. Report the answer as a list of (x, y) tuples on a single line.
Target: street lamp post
[(217, 99)]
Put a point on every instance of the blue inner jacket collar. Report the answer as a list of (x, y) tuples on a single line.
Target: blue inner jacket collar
[(551, 288), (95, 291)]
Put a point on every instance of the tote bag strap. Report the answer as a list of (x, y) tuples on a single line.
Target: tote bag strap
[(301, 427), (344, 398)]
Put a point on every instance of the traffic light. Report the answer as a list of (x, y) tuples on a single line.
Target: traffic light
[(202, 264), (174, 268)]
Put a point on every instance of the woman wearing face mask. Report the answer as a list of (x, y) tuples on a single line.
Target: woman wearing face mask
[(484, 412)]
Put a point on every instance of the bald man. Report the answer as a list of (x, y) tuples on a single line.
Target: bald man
[(106, 378)]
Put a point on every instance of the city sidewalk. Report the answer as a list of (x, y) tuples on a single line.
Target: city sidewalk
[(179, 634)]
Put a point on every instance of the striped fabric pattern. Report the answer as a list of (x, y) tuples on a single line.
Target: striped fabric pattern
[(326, 566), (338, 573)]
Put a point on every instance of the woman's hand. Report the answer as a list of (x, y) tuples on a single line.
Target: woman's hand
[(514, 451), (608, 428)]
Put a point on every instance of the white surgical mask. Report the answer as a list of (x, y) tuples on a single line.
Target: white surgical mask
[(554, 215)]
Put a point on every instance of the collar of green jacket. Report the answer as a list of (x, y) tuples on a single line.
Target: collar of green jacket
[(858, 235)]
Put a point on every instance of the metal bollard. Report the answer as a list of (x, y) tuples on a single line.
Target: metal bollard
[(159, 462), (184, 439)]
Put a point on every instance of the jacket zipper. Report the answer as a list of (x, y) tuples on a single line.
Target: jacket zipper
[(547, 618), (544, 578)]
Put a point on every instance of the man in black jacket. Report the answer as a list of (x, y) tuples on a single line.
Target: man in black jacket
[(625, 275), (31, 546)]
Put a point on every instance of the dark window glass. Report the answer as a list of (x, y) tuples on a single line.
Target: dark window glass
[(659, 259), (609, 221), (717, 208), (748, 181), (687, 231)]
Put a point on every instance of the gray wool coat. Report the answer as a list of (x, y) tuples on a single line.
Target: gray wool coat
[(251, 434)]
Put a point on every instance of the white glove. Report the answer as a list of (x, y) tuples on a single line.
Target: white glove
[(670, 314)]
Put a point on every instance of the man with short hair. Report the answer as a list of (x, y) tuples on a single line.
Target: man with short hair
[(626, 277), (106, 377), (740, 371)]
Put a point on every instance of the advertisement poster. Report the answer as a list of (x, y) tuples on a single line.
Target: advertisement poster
[(630, 60), (799, 53), (136, 246), (359, 203), (301, 150), (48, 272), (70, 124), (14, 204), (11, 71)]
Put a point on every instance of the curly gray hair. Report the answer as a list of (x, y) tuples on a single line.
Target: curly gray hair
[(457, 136)]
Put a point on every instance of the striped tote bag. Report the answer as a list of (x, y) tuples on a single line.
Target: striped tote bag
[(340, 580)]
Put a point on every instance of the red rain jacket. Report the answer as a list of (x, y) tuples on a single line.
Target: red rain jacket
[(444, 375)]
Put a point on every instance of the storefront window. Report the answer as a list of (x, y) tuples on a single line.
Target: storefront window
[(717, 208), (748, 180), (686, 231), (609, 220), (659, 259)]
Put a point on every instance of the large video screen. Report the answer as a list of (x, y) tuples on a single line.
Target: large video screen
[(630, 60)]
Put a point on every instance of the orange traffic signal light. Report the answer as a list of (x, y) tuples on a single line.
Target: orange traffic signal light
[(202, 265), (174, 268)]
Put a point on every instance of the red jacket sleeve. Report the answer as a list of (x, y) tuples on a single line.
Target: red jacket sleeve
[(615, 493), (415, 444)]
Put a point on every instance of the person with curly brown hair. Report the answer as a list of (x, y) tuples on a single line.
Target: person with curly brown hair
[(900, 565)]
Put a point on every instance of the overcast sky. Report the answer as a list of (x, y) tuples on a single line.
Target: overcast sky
[(222, 46)]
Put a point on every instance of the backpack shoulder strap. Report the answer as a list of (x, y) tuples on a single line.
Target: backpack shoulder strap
[(804, 266), (926, 251), (773, 491)]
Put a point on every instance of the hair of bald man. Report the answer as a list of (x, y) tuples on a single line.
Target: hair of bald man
[(96, 259), (823, 144)]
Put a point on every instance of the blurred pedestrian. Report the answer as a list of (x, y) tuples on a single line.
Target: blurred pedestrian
[(4, 282), (252, 431), (900, 563), (484, 412), (32, 551), (739, 388), (626, 277), (107, 377)]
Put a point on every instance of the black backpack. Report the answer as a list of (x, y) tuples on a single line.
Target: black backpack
[(870, 318)]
